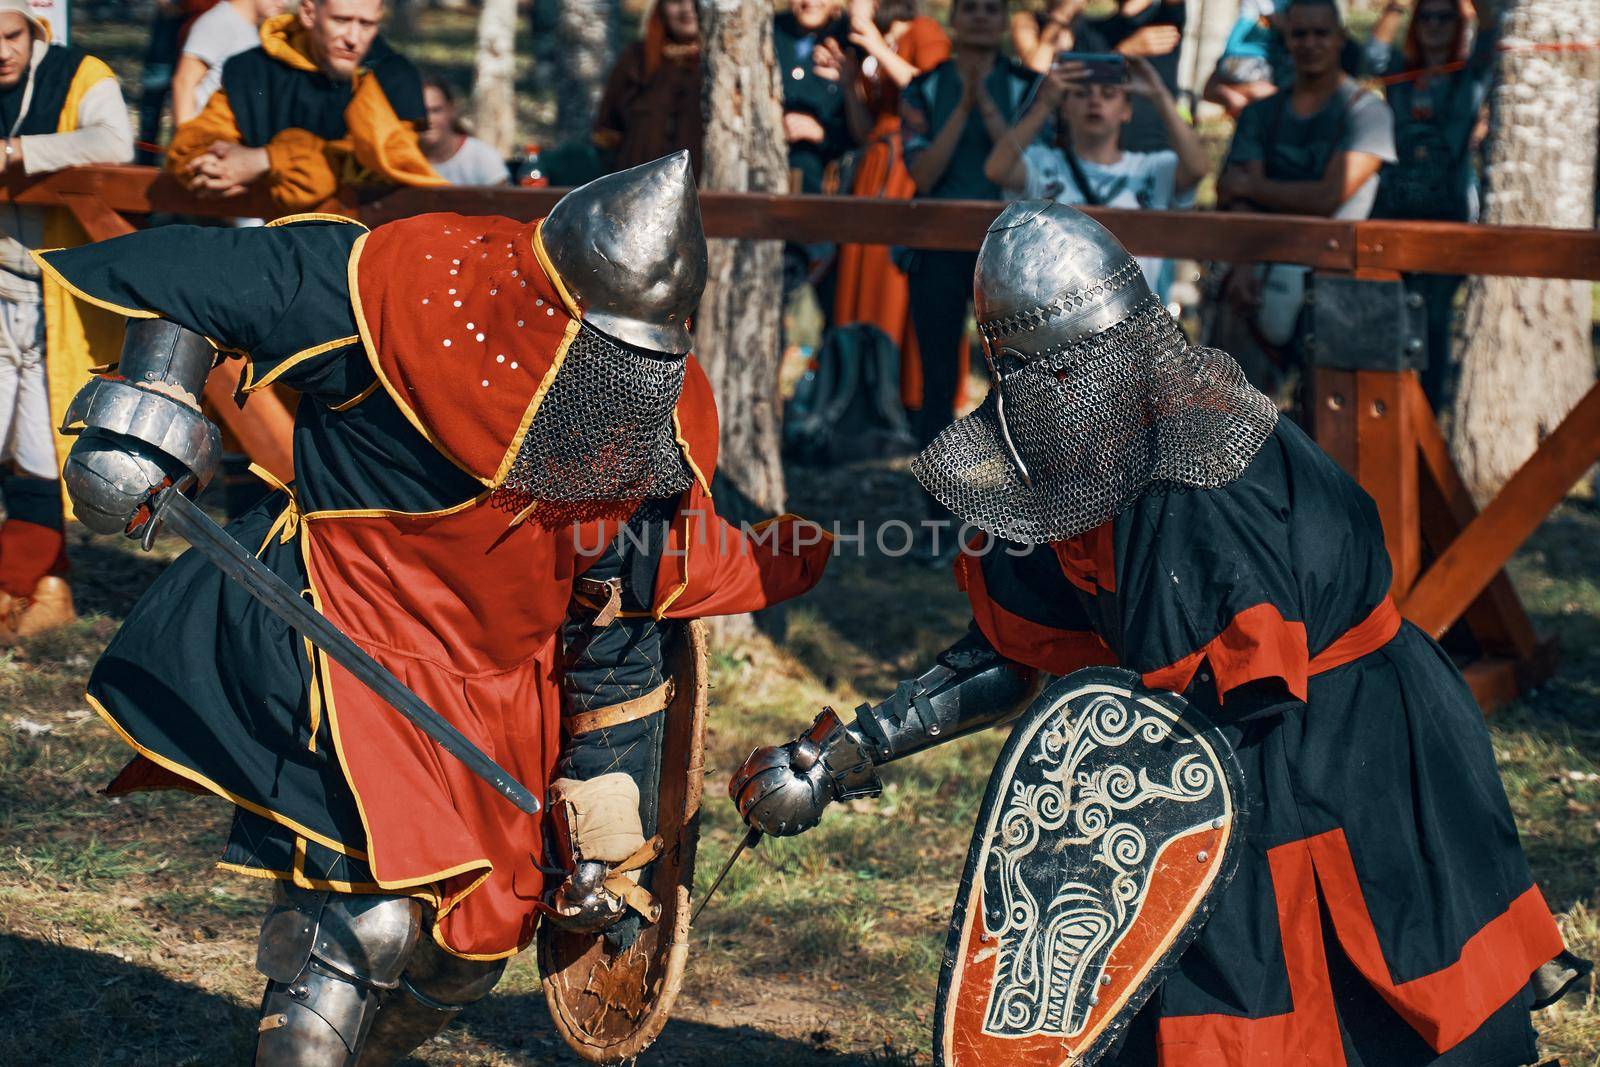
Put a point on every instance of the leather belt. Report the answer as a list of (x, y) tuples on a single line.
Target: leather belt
[(582, 722)]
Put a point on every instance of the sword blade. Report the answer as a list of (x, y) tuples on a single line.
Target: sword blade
[(176, 511), (749, 839)]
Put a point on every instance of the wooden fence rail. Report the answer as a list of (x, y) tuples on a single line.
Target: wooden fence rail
[(1375, 422)]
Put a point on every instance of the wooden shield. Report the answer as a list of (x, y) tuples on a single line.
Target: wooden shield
[(1111, 825), (610, 1004)]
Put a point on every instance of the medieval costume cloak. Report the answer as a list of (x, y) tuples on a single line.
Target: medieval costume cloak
[(423, 350), (319, 132), (871, 286), (651, 105), (1383, 912)]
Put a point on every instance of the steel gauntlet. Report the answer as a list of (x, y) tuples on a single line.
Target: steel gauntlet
[(141, 429), (783, 789)]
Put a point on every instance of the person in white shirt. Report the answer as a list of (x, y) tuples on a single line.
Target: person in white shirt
[(1086, 163), (231, 27), (457, 156)]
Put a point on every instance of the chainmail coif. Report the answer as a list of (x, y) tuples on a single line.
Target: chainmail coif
[(603, 433), (1097, 423)]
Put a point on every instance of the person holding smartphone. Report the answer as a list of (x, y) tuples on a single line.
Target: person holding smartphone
[(1085, 164), (1150, 29)]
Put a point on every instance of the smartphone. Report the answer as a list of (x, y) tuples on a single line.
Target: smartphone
[(1105, 68)]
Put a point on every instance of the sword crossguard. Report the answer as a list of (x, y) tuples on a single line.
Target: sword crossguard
[(156, 511)]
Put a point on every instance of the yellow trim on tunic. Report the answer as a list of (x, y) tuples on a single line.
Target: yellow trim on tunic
[(549, 378), (317, 216), (688, 457), (355, 401), (195, 776), (253, 872), (384, 513), (250, 384), (567, 299)]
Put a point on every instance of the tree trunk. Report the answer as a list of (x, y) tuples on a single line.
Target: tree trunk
[(586, 36), (1204, 36), (736, 331), (1526, 350), (494, 94), (402, 20)]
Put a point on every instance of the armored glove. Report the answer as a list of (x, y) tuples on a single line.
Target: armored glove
[(783, 790), (141, 428)]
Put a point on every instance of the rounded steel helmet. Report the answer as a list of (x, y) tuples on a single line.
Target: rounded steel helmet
[(630, 247), (1096, 395)]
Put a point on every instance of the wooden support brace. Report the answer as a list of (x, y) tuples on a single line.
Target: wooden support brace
[(1462, 572), (1386, 466), (1497, 619), (96, 217)]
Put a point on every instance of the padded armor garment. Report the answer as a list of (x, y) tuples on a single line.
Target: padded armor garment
[(1383, 911)]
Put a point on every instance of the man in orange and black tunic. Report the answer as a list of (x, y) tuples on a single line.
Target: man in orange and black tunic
[(484, 403), (1141, 505), (323, 101)]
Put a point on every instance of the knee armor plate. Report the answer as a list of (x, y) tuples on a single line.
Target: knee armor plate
[(328, 956)]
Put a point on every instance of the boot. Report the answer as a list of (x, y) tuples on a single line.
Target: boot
[(49, 608)]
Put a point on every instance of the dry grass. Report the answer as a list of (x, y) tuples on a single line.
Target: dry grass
[(118, 945)]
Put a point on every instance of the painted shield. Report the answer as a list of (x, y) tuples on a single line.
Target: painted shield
[(1111, 825), (610, 1004)]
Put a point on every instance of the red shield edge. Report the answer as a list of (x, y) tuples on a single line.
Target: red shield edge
[(608, 1005), (1180, 893)]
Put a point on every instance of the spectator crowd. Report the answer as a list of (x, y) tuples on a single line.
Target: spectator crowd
[(1059, 99)]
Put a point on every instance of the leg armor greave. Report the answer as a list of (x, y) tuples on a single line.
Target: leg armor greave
[(327, 958), (434, 989)]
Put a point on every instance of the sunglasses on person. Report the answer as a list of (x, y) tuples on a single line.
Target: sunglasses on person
[(1319, 32), (1437, 18)]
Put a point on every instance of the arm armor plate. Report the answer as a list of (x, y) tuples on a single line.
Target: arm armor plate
[(142, 428), (784, 789)]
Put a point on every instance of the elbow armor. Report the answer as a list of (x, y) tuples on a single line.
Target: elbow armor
[(784, 790), (142, 428)]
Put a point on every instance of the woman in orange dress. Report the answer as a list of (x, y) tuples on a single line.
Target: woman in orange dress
[(895, 45)]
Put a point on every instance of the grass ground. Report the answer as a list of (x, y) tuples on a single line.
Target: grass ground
[(120, 946)]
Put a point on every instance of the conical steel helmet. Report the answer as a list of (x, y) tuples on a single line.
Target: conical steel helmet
[(630, 248)]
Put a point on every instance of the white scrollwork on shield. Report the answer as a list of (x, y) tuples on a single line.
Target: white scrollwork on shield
[(1098, 791)]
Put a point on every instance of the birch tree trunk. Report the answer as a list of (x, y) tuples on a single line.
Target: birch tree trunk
[(494, 94), (736, 331), (586, 36), (1525, 345), (1204, 37)]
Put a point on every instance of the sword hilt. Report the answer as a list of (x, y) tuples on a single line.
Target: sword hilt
[(160, 500)]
